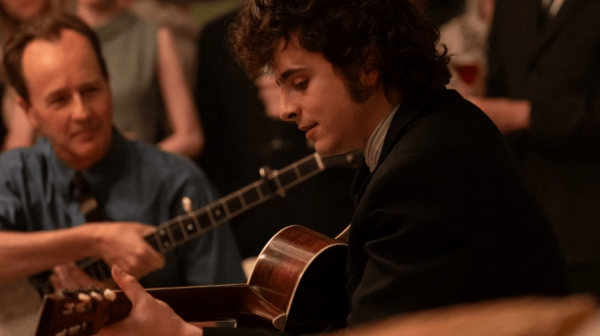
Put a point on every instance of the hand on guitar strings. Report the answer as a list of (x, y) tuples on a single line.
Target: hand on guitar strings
[(70, 277), (148, 316)]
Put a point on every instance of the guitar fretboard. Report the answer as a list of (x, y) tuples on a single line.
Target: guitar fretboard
[(184, 228)]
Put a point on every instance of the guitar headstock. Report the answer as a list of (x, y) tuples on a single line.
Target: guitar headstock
[(81, 312), (349, 160)]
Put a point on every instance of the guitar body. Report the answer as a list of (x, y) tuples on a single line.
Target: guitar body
[(298, 284), (303, 274)]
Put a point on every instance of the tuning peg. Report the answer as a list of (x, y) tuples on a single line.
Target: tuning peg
[(265, 172), (110, 295), (84, 297), (74, 330), (96, 296)]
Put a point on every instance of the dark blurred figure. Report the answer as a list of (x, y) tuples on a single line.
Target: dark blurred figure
[(241, 138), (466, 37), (544, 80), (2, 126), (440, 11)]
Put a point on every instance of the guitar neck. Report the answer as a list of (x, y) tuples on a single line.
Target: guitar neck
[(184, 228)]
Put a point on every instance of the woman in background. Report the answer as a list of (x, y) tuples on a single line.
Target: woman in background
[(13, 13)]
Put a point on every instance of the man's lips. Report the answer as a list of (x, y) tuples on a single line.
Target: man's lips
[(307, 128)]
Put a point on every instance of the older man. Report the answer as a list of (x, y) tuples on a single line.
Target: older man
[(45, 191)]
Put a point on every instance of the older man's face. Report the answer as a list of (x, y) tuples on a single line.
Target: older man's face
[(70, 99)]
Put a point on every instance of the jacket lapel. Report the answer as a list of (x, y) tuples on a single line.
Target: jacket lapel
[(406, 113), (550, 30)]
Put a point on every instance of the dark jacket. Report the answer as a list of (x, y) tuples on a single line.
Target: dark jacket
[(556, 66), (444, 219)]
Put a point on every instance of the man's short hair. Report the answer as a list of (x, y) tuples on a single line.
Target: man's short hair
[(348, 33), (47, 28)]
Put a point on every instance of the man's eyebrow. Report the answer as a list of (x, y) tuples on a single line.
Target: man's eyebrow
[(54, 94), (284, 76)]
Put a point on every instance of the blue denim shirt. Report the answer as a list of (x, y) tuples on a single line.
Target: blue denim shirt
[(133, 182)]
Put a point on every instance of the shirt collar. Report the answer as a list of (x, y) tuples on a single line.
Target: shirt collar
[(375, 143), (104, 173)]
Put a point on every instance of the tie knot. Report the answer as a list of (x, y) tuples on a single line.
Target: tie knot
[(88, 205), (79, 181)]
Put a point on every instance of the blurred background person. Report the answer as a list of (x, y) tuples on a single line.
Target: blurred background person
[(440, 11), (17, 132), (177, 16), (543, 91), (465, 37), (19, 302), (146, 77)]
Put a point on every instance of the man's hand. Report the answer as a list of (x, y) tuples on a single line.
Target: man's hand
[(148, 316), (123, 244), (70, 277), (508, 115)]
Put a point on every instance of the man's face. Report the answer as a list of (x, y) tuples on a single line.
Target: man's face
[(315, 96), (70, 100)]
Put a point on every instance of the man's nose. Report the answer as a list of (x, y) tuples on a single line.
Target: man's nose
[(81, 110), (288, 109)]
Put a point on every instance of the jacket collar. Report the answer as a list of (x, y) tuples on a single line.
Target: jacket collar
[(407, 112)]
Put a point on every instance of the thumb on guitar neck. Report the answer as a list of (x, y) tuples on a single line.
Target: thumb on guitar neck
[(128, 284)]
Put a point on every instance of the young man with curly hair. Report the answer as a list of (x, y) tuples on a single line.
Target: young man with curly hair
[(442, 216)]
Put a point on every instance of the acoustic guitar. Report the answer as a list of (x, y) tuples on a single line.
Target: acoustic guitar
[(298, 284), (182, 229)]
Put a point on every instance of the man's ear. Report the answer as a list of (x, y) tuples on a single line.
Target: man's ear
[(26, 108), (369, 75)]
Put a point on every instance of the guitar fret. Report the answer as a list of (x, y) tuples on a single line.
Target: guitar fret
[(252, 195), (277, 181), (183, 230), (196, 225), (265, 189), (170, 235), (204, 220), (211, 217), (225, 208), (177, 232), (240, 196), (165, 239), (151, 239), (287, 178), (159, 244), (257, 186), (234, 204), (297, 171)]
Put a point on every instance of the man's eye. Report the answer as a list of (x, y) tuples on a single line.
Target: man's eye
[(89, 91), (59, 101), (302, 85)]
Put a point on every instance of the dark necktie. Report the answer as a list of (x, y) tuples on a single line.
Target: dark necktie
[(88, 205)]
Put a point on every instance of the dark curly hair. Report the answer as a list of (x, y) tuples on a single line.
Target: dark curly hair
[(347, 33)]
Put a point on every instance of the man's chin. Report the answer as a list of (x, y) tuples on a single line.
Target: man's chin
[(326, 150)]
